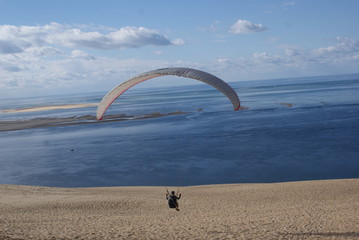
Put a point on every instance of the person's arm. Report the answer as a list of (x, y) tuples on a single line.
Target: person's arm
[(179, 196)]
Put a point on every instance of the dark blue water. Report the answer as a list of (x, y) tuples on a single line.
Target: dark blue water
[(317, 137)]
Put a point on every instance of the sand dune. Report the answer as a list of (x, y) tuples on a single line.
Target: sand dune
[(297, 210)]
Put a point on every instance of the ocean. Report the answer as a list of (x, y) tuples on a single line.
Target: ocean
[(293, 130)]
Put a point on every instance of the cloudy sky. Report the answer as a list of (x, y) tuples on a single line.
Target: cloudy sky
[(92, 45)]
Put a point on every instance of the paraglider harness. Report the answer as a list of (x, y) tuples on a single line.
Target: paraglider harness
[(172, 199)]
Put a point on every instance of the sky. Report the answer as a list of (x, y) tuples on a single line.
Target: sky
[(68, 46)]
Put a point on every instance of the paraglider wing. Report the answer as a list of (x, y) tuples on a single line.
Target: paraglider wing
[(181, 72)]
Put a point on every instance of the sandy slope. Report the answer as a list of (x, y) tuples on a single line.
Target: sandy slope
[(297, 210)]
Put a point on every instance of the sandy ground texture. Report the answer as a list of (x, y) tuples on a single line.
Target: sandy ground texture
[(326, 209)]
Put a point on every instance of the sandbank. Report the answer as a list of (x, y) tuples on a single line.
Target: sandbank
[(48, 108), (12, 125)]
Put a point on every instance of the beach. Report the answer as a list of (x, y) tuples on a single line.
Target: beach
[(323, 209)]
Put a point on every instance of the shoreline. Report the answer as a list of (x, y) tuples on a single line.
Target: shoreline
[(12, 125), (319, 209), (189, 186), (48, 108)]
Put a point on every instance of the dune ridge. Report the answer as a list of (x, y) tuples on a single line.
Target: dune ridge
[(326, 209)]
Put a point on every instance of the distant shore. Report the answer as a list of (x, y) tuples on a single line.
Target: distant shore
[(325, 209), (47, 108), (19, 124)]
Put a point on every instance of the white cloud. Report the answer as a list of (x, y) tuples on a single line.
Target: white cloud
[(72, 71), (81, 54), (7, 47), (126, 37), (244, 26), (345, 46), (16, 39), (51, 56), (342, 57), (40, 64), (178, 41)]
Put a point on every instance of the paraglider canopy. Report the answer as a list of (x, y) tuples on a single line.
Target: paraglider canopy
[(205, 77)]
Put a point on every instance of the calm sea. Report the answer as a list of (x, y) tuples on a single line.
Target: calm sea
[(294, 129)]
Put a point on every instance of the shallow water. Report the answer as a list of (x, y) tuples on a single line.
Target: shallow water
[(294, 129)]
